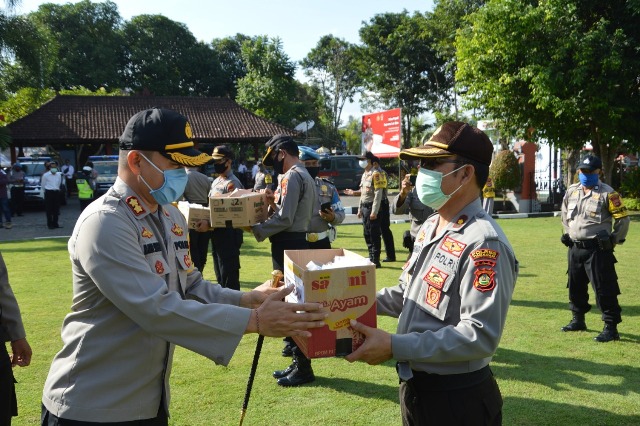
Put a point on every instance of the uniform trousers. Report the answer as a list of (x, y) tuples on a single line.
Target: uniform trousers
[(385, 228), (225, 248), (8, 403), (286, 241), (372, 233), (48, 419), (595, 266), (52, 207), (17, 200), (423, 402), (199, 248)]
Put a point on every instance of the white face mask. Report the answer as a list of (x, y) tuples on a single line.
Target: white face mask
[(363, 163)]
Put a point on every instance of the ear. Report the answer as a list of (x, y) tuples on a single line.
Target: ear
[(133, 160)]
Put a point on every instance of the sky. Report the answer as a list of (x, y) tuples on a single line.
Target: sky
[(299, 24)]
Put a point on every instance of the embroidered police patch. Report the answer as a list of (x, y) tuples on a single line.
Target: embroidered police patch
[(177, 230), (435, 277), (135, 205), (484, 256), (159, 267), (433, 297), (187, 260), (453, 246), (484, 280)]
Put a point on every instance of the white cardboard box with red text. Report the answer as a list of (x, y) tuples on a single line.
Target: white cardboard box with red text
[(238, 209), (347, 293)]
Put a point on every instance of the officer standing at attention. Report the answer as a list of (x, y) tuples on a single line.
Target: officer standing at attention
[(136, 293), (595, 220), (300, 371), (51, 182), (453, 295), (197, 192), (292, 203), (263, 178), (373, 199), (86, 186), (225, 242), (407, 200)]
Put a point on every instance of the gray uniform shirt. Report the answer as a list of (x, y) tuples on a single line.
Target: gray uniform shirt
[(135, 296), (327, 193), (197, 189), (373, 188), (418, 212), (585, 214), (453, 295), (295, 198), (11, 327), (225, 184)]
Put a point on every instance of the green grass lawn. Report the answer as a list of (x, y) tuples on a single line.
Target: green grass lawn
[(547, 377)]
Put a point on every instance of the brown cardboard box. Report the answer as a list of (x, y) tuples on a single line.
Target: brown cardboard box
[(347, 293), (193, 213), (238, 209)]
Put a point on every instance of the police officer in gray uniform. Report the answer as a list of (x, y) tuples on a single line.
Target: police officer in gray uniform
[(453, 294), (595, 220), (136, 293), (225, 242), (292, 203), (327, 213), (11, 330), (197, 192), (407, 201), (263, 178)]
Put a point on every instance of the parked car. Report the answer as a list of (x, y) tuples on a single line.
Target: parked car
[(107, 168), (34, 169), (343, 170)]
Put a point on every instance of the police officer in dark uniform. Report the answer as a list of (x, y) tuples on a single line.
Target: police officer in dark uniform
[(322, 223), (225, 242), (595, 220), (197, 192), (407, 201), (292, 209)]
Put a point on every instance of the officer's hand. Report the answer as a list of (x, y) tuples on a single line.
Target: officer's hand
[(406, 186), (376, 348), (202, 225), (329, 216), (359, 215), (255, 297), (21, 353), (566, 240), (279, 319), (373, 216)]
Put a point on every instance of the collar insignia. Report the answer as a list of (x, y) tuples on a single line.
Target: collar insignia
[(146, 233), (177, 230), (135, 205)]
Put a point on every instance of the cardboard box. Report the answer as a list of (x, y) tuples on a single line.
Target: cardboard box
[(238, 209), (193, 213), (347, 293)]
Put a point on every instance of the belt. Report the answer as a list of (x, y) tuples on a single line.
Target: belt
[(586, 244), (367, 205), (287, 236), (312, 237), (422, 381)]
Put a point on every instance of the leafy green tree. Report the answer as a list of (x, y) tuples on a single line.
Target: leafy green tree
[(233, 68), (84, 44), (331, 67), (567, 68), (505, 172), (401, 66), (352, 134), (269, 88)]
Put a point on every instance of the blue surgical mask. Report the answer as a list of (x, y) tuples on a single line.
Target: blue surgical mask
[(175, 181), (588, 180), (429, 188)]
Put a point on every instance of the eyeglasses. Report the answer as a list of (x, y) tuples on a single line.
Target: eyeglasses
[(433, 163)]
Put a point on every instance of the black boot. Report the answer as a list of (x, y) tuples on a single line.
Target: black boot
[(288, 347), (283, 373), (577, 323), (609, 333), (302, 372)]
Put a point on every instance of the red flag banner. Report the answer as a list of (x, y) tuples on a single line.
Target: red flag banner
[(381, 133)]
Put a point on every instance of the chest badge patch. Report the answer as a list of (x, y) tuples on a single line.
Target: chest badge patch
[(452, 246), (433, 297), (187, 260), (135, 206), (146, 233), (177, 230), (159, 267), (435, 277)]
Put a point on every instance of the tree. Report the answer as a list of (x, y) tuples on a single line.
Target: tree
[(505, 172), (401, 67), (331, 67), (84, 44), (567, 68), (229, 53), (269, 88)]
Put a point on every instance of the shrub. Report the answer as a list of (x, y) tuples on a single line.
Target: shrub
[(632, 203), (505, 171)]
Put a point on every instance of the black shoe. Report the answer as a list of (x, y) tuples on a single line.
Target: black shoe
[(378, 265), (388, 260), (577, 323), (297, 377), (608, 334), (287, 351), (283, 373)]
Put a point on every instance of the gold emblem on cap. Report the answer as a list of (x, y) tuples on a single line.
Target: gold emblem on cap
[(188, 131)]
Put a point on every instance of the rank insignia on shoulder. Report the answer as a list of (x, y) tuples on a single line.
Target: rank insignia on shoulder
[(146, 233), (135, 206), (177, 230)]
